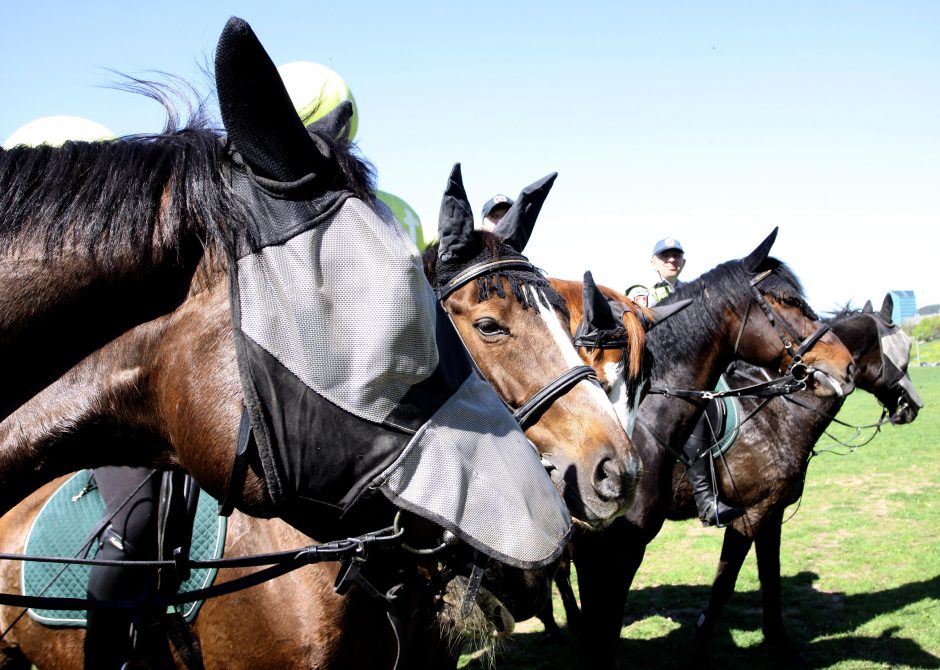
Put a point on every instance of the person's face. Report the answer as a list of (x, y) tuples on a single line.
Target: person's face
[(669, 264), (494, 216)]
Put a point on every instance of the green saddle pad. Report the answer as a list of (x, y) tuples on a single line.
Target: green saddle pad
[(64, 524), (732, 420)]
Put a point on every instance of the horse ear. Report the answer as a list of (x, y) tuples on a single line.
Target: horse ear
[(663, 312), (257, 112), (753, 260), (868, 308), (455, 223), (516, 226), (334, 124), (887, 309), (596, 312)]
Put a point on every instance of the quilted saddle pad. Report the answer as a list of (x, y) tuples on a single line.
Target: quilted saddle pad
[(63, 526)]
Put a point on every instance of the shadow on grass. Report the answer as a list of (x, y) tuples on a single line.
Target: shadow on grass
[(822, 624)]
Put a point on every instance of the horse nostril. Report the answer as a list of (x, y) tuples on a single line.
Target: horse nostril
[(850, 371), (610, 478)]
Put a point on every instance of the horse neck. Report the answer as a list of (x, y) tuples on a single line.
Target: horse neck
[(53, 314), (707, 347), (114, 241)]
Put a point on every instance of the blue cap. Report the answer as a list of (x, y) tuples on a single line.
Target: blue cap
[(666, 244), (495, 201)]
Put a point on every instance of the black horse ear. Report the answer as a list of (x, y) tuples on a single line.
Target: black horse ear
[(516, 226), (334, 124), (596, 313), (753, 260), (663, 312), (257, 112), (887, 309), (868, 308), (455, 223)]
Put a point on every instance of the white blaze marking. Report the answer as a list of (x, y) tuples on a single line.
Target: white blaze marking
[(618, 391), (563, 344)]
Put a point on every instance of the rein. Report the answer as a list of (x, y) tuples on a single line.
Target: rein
[(533, 408), (355, 549), (787, 336)]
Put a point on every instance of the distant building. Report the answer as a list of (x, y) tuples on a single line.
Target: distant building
[(905, 306)]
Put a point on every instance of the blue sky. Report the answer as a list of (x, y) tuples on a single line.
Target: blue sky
[(709, 121)]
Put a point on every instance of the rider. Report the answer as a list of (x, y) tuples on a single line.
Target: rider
[(668, 261), (495, 209), (148, 517)]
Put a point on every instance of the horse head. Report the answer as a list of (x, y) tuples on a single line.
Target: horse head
[(882, 353), (778, 328), (516, 328)]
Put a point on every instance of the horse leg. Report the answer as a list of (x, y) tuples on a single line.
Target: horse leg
[(562, 581), (767, 546), (606, 562), (734, 549)]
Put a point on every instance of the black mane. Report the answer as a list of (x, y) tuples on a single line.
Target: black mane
[(127, 192), (723, 288)]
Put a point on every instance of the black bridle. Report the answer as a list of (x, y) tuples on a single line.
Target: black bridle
[(797, 368), (533, 408)]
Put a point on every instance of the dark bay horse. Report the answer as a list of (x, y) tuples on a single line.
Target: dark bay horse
[(116, 387), (766, 465), (725, 321)]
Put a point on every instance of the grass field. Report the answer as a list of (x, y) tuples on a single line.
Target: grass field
[(860, 566)]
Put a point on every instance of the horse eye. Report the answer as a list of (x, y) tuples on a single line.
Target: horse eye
[(488, 327)]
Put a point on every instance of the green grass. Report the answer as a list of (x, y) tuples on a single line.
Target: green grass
[(929, 352), (860, 566)]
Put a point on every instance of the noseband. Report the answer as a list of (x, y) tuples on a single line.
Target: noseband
[(533, 408), (797, 368)]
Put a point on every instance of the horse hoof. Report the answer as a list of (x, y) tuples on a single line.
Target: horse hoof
[(553, 636)]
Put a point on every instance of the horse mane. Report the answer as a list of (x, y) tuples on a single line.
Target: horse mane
[(139, 189), (638, 363), (491, 247), (723, 288)]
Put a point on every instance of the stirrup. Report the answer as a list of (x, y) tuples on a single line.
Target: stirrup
[(719, 515)]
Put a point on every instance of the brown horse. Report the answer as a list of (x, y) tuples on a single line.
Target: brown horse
[(288, 204), (483, 282), (169, 392), (128, 393), (296, 620), (690, 351)]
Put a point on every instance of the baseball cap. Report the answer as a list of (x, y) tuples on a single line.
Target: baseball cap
[(666, 244), (496, 200)]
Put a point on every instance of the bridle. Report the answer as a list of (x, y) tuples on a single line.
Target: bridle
[(533, 408), (797, 368)]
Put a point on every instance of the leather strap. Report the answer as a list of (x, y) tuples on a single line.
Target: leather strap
[(239, 465)]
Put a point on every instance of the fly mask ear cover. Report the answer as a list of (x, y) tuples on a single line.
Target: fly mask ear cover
[(355, 385)]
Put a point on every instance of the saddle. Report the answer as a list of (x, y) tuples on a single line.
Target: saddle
[(724, 415), (68, 526)]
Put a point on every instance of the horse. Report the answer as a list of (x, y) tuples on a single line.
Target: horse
[(295, 620), (766, 448), (767, 463), (285, 201), (170, 392), (751, 309), (327, 629), (481, 281)]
